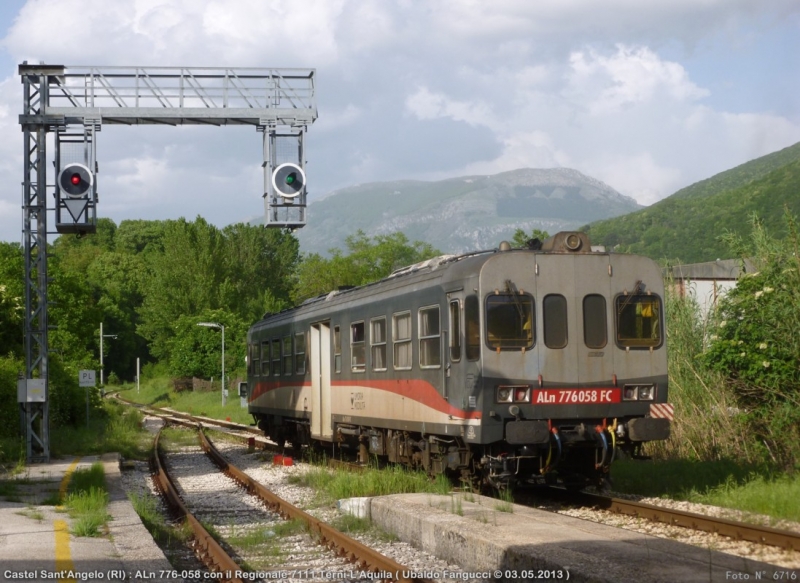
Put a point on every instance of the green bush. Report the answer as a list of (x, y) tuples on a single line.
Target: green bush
[(755, 343), (10, 367)]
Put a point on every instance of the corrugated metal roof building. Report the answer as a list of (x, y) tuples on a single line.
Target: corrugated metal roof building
[(707, 282)]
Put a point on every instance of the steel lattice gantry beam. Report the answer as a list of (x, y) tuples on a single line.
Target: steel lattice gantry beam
[(281, 103)]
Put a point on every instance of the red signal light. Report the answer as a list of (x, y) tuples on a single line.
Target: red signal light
[(75, 180), (522, 395)]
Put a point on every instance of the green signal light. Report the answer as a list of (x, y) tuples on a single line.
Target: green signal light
[(291, 178)]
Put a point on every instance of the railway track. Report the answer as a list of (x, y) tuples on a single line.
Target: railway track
[(315, 550), (741, 531), (734, 530)]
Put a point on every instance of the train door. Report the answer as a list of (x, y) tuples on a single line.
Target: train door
[(593, 318), (557, 333), (321, 380), (453, 346)]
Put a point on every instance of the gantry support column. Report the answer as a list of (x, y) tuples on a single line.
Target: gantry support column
[(34, 404)]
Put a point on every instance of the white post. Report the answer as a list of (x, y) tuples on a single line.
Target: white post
[(101, 354), (137, 375), (223, 365)]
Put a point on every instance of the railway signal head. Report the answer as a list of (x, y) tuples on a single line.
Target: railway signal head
[(75, 180), (288, 180)]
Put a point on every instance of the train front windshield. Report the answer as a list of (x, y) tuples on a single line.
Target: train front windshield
[(638, 320), (509, 321)]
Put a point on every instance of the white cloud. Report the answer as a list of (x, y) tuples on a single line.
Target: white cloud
[(415, 89), (637, 175), (631, 75), (330, 119), (427, 105), (523, 150)]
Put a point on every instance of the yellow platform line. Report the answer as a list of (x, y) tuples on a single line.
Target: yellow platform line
[(62, 489), (63, 554), (61, 528)]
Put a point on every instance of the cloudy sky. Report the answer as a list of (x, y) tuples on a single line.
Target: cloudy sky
[(645, 96)]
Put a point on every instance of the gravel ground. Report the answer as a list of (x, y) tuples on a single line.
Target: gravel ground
[(276, 478)]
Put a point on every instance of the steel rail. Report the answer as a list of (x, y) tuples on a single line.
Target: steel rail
[(209, 550), (194, 419), (367, 558), (766, 535)]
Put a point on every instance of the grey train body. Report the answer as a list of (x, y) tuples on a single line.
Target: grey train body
[(509, 366)]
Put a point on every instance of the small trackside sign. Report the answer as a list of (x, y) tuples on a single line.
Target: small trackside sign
[(86, 378)]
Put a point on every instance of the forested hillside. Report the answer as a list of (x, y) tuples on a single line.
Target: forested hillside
[(686, 227)]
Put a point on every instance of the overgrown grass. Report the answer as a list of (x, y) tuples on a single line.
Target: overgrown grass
[(32, 513), (174, 437), (165, 534), (117, 429), (12, 455), (505, 501), (87, 501), (776, 496), (158, 393), (717, 482), (335, 484), (708, 425)]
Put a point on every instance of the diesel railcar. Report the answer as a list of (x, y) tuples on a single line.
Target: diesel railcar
[(503, 367)]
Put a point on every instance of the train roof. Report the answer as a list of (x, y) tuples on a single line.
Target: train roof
[(563, 242)]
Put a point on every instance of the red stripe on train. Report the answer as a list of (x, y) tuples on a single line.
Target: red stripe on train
[(417, 390)]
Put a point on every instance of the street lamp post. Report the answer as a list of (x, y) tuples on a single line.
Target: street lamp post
[(101, 350), (219, 327)]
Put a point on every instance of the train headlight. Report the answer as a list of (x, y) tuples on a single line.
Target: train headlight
[(647, 392), (638, 392), (522, 395), (504, 394)]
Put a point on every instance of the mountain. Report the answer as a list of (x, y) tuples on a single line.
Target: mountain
[(686, 226), (462, 214)]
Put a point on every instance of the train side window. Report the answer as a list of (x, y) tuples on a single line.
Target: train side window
[(430, 346), (377, 339), (252, 359), (554, 314), (276, 357), (595, 325), (472, 327), (264, 358), (287, 355), (401, 339), (638, 320), (300, 353), (509, 321), (358, 356), (337, 349), (455, 331)]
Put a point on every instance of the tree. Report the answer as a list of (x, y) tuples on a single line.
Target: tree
[(521, 239), (12, 301), (140, 237), (195, 351), (242, 269), (370, 259), (118, 279)]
